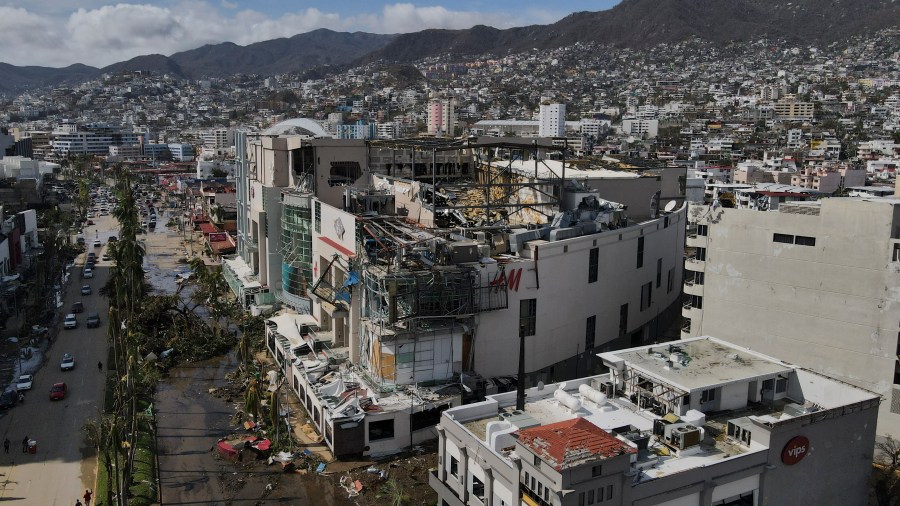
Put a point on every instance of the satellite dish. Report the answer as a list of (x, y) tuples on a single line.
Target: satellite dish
[(670, 206)]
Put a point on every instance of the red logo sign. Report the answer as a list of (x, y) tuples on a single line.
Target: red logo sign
[(795, 450), (511, 282)]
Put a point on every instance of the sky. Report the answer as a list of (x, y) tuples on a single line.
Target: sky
[(58, 33)]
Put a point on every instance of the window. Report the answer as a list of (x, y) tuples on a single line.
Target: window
[(623, 319), (781, 385), (670, 281), (695, 301), (527, 317), (590, 328), (540, 489), (703, 230), (593, 265), (600, 495), (344, 173), (896, 257), (581, 499), (537, 462), (609, 492), (646, 295), (658, 272), (454, 467), (708, 395), (783, 238), (590, 496), (701, 254), (802, 240), (382, 429), (596, 471), (640, 252), (318, 220)]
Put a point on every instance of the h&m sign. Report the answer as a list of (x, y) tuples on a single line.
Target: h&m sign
[(510, 281)]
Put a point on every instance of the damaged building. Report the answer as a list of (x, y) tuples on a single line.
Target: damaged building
[(403, 290)]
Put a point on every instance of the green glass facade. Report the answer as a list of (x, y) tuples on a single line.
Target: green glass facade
[(296, 238)]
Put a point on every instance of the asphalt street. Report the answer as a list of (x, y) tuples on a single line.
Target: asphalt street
[(63, 466)]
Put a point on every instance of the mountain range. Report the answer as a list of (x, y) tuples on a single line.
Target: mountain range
[(631, 23)]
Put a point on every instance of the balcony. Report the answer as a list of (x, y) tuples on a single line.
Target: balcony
[(696, 241), (692, 288), (689, 311), (251, 245), (686, 329), (692, 263)]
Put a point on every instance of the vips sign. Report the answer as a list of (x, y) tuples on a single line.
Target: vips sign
[(795, 450)]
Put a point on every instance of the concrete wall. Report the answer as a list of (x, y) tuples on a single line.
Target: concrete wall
[(557, 276), (833, 307)]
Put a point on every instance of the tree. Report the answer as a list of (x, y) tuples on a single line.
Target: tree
[(886, 472)]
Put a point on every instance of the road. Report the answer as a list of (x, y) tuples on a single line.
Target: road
[(63, 466)]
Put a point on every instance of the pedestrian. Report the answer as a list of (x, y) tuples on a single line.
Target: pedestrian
[(6, 445), (100, 366), (25, 445), (77, 502), (87, 497)]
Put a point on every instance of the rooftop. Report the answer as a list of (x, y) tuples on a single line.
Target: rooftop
[(692, 365), (572, 442)]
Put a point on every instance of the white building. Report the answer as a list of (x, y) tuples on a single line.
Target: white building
[(642, 128), (702, 422), (552, 120), (797, 282)]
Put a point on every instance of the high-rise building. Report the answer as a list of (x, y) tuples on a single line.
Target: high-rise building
[(815, 283), (552, 120), (442, 117)]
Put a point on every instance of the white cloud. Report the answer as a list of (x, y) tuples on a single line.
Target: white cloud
[(106, 34)]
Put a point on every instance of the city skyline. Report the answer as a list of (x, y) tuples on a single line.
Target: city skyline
[(55, 33)]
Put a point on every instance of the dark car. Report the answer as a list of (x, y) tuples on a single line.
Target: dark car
[(93, 320), (8, 399), (78, 307)]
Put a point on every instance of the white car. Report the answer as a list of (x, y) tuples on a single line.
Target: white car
[(68, 362), (70, 322), (97, 243), (88, 273), (25, 382)]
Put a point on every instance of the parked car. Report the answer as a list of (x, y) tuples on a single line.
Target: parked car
[(112, 238), (70, 322), (106, 258), (80, 241), (93, 320), (97, 243), (88, 273), (78, 307), (67, 363), (86, 290), (25, 382), (58, 391), (90, 222), (9, 398)]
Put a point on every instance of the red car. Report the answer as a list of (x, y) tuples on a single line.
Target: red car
[(58, 392)]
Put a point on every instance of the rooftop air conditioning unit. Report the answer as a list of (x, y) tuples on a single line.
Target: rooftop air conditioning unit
[(686, 436)]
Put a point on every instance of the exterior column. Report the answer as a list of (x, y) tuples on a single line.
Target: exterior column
[(488, 486), (442, 454), (464, 473)]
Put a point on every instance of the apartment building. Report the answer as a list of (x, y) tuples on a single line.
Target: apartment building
[(814, 283), (700, 422), (552, 120), (442, 116), (790, 109)]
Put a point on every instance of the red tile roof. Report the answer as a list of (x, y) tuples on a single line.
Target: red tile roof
[(572, 443)]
